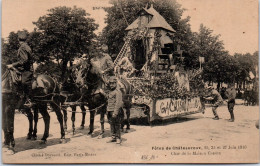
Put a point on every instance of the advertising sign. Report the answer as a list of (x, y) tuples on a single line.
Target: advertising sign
[(173, 107)]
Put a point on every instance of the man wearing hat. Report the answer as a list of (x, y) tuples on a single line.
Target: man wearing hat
[(231, 95), (217, 101), (106, 68), (114, 110), (107, 64), (24, 64)]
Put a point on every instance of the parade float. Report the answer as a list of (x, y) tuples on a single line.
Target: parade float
[(153, 63)]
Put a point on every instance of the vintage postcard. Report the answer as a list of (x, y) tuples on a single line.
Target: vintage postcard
[(130, 81)]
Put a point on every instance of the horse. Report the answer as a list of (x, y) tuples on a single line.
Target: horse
[(44, 90), (127, 90), (9, 100), (71, 92), (90, 83)]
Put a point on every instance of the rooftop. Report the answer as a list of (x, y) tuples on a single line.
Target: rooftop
[(157, 21)]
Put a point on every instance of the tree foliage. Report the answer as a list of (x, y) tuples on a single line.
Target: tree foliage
[(49, 68), (204, 43), (222, 68), (247, 64), (114, 32), (66, 33)]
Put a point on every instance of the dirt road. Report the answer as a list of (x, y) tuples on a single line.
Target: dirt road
[(195, 138)]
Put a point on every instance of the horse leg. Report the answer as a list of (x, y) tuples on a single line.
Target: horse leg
[(5, 124), (102, 121), (91, 123), (122, 122), (46, 119), (127, 118), (10, 129), (73, 118), (83, 116), (30, 118), (60, 119), (65, 115), (35, 117)]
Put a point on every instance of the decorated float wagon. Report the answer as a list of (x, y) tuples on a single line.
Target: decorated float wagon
[(153, 63)]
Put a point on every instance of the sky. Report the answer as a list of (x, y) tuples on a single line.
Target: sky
[(235, 20)]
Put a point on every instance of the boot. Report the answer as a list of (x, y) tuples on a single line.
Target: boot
[(216, 118), (118, 141), (101, 135), (113, 139), (232, 118)]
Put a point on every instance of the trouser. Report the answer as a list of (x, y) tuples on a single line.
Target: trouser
[(231, 105), (202, 100), (115, 123), (27, 83), (214, 110)]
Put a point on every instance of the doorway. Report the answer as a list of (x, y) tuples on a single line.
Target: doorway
[(139, 59)]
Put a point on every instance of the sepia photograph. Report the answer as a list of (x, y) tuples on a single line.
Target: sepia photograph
[(130, 81)]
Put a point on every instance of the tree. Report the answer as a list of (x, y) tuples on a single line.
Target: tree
[(222, 68), (49, 68), (247, 63), (35, 41), (66, 33), (114, 32), (204, 43)]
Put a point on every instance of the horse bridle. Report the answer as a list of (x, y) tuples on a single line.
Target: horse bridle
[(84, 77)]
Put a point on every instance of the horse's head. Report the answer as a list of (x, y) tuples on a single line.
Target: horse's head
[(80, 72)]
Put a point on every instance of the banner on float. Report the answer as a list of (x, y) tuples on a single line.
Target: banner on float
[(173, 107)]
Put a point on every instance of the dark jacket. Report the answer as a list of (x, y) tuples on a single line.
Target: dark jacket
[(231, 94), (25, 58)]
